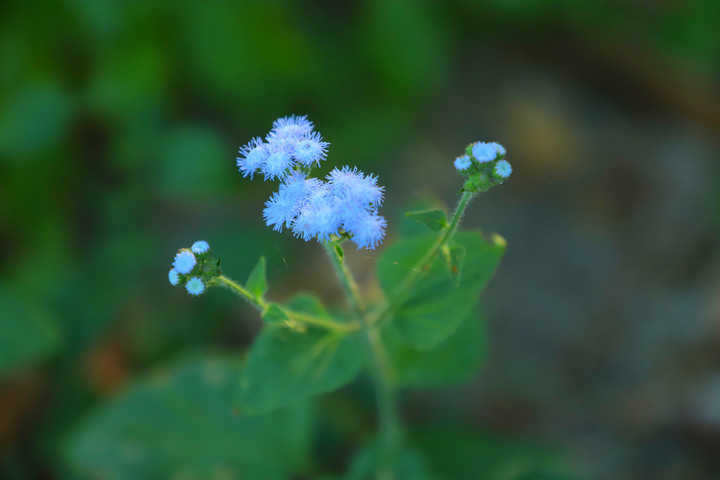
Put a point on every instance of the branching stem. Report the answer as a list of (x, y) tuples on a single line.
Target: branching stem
[(380, 368), (400, 294), (300, 317)]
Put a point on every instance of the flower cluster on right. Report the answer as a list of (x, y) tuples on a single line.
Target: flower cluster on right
[(483, 165), (345, 203)]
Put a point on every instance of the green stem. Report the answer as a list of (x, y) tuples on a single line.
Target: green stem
[(380, 368), (305, 318), (422, 265)]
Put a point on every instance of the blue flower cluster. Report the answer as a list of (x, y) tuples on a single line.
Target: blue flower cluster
[(291, 143), (193, 267), (484, 166), (346, 202)]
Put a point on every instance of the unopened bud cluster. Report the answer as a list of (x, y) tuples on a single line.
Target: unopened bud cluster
[(483, 165), (194, 267)]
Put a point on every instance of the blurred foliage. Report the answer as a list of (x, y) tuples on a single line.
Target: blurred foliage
[(119, 122), (177, 423)]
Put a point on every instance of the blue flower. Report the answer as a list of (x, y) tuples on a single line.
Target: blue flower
[(500, 149), (310, 149), (347, 183), (484, 151), (284, 205), (319, 217), (173, 277), (201, 246), (367, 230), (253, 156), (503, 169), (184, 262), (462, 162), (289, 127), (195, 286), (278, 162)]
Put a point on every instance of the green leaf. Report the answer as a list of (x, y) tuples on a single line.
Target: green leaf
[(453, 361), (433, 218), (274, 315), (256, 282), (28, 334), (307, 303), (436, 307), (453, 451), (178, 424), (455, 259), (286, 366)]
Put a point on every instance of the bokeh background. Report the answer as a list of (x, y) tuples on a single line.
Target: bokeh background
[(119, 127)]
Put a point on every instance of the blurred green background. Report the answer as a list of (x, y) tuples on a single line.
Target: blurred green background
[(119, 127)]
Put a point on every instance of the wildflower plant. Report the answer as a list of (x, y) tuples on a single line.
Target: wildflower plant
[(422, 331)]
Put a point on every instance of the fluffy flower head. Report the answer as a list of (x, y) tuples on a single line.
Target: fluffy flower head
[(289, 127), (201, 246), (173, 277), (195, 286), (484, 151), (285, 204), (353, 184), (252, 157), (500, 149), (310, 149), (277, 164), (184, 262), (462, 162), (367, 230), (503, 169)]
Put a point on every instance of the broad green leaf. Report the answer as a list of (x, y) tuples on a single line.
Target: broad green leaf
[(433, 218), (453, 361), (455, 259), (285, 366), (28, 334), (435, 306), (178, 424), (408, 464), (452, 452), (256, 282)]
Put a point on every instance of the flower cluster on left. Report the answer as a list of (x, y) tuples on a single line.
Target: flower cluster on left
[(194, 267)]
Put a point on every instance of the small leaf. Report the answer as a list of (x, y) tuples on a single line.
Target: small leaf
[(436, 307), (256, 282), (307, 303), (285, 367), (178, 423), (455, 258), (274, 315), (340, 252), (433, 218)]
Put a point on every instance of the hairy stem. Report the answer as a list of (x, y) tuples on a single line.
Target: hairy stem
[(421, 266), (300, 317), (380, 368)]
